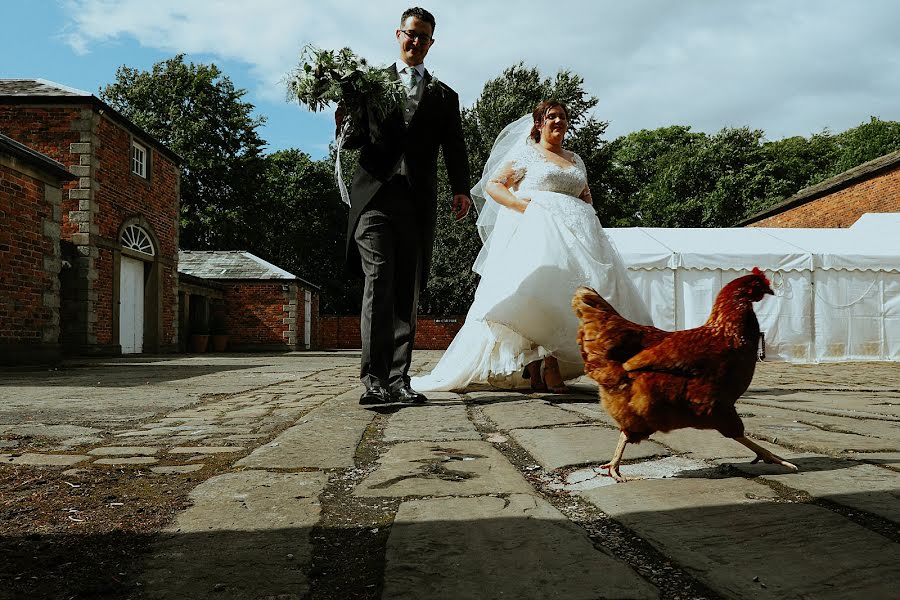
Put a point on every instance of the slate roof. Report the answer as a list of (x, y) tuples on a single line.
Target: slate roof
[(43, 91), (32, 157), (231, 265), (823, 188), (39, 87)]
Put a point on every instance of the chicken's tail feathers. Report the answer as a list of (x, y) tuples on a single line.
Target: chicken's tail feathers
[(586, 299)]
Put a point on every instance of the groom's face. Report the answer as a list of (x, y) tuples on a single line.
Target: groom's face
[(415, 40)]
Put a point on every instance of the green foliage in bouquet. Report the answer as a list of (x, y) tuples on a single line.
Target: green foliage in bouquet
[(326, 76)]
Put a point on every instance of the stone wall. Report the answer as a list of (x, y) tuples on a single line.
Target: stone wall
[(30, 259)]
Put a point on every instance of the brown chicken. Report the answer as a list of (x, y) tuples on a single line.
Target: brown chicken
[(653, 380)]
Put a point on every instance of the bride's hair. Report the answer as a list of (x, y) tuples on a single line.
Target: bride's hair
[(540, 113)]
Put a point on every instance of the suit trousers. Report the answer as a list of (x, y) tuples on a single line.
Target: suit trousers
[(389, 245)]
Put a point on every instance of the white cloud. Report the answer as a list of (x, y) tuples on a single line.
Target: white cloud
[(788, 68)]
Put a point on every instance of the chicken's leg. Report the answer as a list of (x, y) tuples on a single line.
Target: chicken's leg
[(764, 455), (613, 465)]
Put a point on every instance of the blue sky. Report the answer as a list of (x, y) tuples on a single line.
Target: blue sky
[(789, 68)]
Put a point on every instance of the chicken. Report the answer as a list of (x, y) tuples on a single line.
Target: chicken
[(653, 380)]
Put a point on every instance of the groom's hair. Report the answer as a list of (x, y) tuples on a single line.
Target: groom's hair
[(540, 113), (419, 13)]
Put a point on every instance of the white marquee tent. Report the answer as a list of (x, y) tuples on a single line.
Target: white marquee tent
[(837, 291)]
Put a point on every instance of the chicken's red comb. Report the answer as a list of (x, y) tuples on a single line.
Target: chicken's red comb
[(757, 271)]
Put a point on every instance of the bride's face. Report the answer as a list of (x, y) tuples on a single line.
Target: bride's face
[(555, 125)]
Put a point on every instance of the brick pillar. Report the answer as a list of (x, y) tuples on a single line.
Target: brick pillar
[(290, 315)]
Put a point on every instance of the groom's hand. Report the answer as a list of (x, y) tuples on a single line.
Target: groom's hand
[(461, 205)]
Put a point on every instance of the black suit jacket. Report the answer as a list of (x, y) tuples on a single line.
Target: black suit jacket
[(435, 124)]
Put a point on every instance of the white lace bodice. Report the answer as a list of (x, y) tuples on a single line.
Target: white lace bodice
[(532, 170)]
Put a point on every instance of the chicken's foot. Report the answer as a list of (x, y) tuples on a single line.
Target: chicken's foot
[(613, 465), (764, 455)]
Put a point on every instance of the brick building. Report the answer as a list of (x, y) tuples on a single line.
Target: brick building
[(119, 217), (872, 187), (259, 306), (30, 194)]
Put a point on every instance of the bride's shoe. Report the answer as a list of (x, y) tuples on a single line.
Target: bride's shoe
[(553, 377), (533, 372)]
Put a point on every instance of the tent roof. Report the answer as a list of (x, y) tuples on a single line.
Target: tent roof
[(871, 244)]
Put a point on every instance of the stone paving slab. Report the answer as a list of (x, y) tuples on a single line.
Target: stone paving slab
[(458, 468), (863, 487), (433, 422), (888, 459), (887, 430), (127, 460), (42, 460), (591, 410), (727, 532), (663, 468), (124, 451), (525, 414), (241, 539), (814, 439), (488, 547), (47, 430), (206, 449), (565, 446), (325, 438), (176, 469), (864, 405), (712, 445)]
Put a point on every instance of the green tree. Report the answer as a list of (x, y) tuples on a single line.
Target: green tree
[(301, 225), (866, 142), (197, 112)]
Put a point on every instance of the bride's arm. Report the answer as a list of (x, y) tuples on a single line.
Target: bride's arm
[(586, 195), (498, 188)]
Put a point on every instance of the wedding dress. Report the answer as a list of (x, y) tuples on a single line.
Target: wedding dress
[(531, 263)]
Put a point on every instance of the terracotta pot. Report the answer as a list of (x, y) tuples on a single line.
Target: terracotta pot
[(219, 342), (199, 341)]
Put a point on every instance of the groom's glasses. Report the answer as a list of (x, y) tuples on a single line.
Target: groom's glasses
[(422, 37)]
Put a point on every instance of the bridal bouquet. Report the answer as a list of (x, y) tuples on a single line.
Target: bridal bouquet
[(326, 76)]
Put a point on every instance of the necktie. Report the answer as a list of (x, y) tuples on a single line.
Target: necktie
[(413, 80)]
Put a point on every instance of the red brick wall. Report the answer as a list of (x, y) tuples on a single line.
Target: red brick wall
[(842, 208), (106, 195), (255, 315), (48, 130), (24, 318), (121, 195), (432, 333)]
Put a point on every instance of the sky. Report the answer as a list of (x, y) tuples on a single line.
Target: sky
[(786, 67)]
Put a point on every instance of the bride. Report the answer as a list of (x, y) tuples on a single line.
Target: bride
[(541, 240)]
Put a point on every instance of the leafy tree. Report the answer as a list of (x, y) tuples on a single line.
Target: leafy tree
[(866, 142), (301, 225), (196, 111)]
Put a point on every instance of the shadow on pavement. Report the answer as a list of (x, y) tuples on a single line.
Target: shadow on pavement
[(748, 548)]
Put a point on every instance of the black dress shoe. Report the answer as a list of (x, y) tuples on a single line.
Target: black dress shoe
[(375, 395), (407, 394)]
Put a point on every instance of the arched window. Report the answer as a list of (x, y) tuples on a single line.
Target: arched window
[(136, 238)]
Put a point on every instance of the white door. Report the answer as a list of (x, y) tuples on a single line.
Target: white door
[(131, 306)]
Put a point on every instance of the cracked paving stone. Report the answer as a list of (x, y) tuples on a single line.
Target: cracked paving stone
[(442, 468)]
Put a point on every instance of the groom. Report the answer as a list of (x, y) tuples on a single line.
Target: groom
[(390, 232)]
